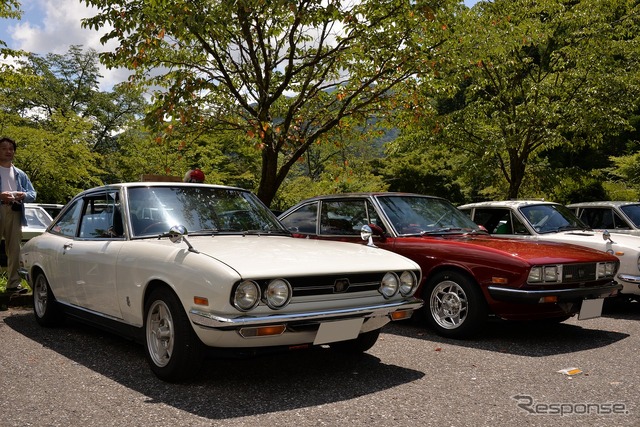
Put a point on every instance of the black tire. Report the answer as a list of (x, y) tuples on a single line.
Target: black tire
[(45, 308), (454, 305), (173, 350), (359, 345)]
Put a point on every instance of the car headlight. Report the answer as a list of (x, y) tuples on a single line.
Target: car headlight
[(389, 285), (535, 275), (247, 295), (606, 269), (408, 283), (278, 293), (551, 273), (545, 274)]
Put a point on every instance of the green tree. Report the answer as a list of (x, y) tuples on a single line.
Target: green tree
[(525, 77), (52, 107), (9, 9), (284, 72)]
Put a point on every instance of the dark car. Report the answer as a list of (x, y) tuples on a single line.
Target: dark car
[(467, 274)]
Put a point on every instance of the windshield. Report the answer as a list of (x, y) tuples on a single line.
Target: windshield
[(633, 212), (204, 210), (425, 215), (552, 218), (37, 218)]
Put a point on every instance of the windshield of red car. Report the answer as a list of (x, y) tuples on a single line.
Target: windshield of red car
[(425, 215)]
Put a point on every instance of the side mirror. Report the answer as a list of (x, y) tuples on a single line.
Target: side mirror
[(607, 236), (176, 233), (367, 234), (368, 231)]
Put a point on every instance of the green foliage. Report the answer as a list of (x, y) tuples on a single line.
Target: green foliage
[(9, 9), (284, 73), (63, 125), (524, 77)]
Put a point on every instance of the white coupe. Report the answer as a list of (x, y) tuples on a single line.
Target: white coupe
[(542, 220), (120, 257)]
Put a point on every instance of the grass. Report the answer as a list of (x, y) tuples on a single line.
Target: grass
[(3, 281)]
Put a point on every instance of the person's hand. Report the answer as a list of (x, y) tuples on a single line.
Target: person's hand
[(8, 196), (19, 195)]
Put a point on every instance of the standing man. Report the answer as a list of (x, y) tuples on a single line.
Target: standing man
[(15, 189)]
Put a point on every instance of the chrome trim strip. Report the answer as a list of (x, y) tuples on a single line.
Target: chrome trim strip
[(212, 320), (629, 278)]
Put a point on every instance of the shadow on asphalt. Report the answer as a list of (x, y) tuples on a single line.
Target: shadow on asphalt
[(533, 338), (619, 308), (228, 387)]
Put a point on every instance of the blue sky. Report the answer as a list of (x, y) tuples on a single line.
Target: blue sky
[(51, 26)]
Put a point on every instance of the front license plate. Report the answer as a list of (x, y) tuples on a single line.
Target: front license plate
[(340, 330), (591, 308)]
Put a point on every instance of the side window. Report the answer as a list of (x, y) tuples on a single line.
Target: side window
[(597, 218), (67, 224), (101, 217), (496, 221), (619, 223), (373, 217), (343, 217), (303, 220), (518, 226)]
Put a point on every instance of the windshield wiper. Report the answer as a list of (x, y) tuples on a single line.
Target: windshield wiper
[(270, 232), (476, 231), (440, 230), (204, 231), (569, 227)]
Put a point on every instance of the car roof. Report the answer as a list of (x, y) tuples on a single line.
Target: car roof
[(514, 204), (152, 184), (367, 194), (604, 203)]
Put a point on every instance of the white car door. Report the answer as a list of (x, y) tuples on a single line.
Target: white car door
[(93, 265), (92, 257)]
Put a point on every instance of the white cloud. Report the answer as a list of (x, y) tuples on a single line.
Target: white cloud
[(52, 26)]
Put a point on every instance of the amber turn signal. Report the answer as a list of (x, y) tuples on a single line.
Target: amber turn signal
[(401, 314), (200, 301), (262, 331)]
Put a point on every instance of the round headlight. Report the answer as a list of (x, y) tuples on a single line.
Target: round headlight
[(407, 283), (247, 295), (389, 285), (278, 293)]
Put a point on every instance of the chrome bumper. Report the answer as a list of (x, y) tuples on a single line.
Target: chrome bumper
[(564, 295), (212, 320), (629, 278)]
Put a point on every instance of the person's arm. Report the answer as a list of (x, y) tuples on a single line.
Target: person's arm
[(26, 187)]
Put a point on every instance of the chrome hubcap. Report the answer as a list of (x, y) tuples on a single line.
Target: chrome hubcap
[(160, 333), (40, 297), (449, 305)]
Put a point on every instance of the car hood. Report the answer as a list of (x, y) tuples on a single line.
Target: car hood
[(594, 239), (253, 256), (536, 251)]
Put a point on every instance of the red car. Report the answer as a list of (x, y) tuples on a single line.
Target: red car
[(467, 274)]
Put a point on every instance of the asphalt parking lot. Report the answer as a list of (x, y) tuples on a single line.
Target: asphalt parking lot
[(509, 375)]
